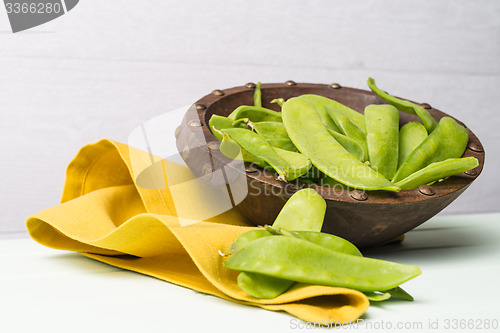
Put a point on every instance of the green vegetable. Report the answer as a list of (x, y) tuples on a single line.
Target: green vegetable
[(255, 114), (311, 137), (438, 170), (406, 106), (275, 133), (411, 135), (303, 261), (448, 140), (257, 99), (351, 145), (332, 106), (305, 210), (218, 123), (382, 137), (255, 146)]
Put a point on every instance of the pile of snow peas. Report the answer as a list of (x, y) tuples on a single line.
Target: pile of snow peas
[(321, 141), (293, 249)]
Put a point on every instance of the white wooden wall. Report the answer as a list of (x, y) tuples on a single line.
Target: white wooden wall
[(108, 66)]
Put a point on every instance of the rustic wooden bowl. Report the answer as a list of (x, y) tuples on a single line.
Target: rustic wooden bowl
[(366, 219)]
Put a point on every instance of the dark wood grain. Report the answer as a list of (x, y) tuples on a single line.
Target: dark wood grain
[(378, 219)]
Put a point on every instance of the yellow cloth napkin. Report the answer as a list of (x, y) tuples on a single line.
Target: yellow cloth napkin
[(104, 215)]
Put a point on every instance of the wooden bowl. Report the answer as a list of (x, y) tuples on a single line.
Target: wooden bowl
[(364, 218)]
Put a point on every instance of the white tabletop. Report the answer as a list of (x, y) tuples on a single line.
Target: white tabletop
[(48, 290)]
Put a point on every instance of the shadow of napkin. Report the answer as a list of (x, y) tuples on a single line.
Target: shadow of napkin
[(105, 216)]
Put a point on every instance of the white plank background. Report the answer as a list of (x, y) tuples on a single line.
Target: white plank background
[(108, 66)]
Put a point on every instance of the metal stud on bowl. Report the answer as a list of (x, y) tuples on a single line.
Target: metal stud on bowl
[(195, 123), (426, 190), (214, 145), (359, 195), (335, 86), (218, 92), (290, 83)]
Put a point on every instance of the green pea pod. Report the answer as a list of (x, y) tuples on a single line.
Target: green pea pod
[(332, 242), (332, 106), (351, 145), (270, 129), (263, 286), (377, 297), (411, 135), (349, 129), (282, 144), (275, 133), (279, 101), (438, 170), (400, 292), (246, 238), (406, 106), (305, 210), (319, 104), (303, 261), (218, 123), (382, 138), (448, 140), (255, 145), (255, 114), (298, 164), (233, 150), (311, 137), (257, 96), (385, 295)]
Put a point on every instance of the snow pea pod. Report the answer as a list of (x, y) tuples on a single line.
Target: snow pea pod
[(411, 135), (328, 241), (438, 170), (255, 114), (448, 140), (382, 296), (311, 137), (264, 286), (257, 96), (319, 104), (382, 138), (303, 261), (351, 145), (349, 129), (331, 106), (278, 101), (233, 150), (406, 106), (255, 145), (298, 163), (275, 133), (217, 123), (305, 210)]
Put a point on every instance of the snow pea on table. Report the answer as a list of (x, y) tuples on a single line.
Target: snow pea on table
[(299, 260)]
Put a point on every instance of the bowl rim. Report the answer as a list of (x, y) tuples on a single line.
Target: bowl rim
[(205, 106)]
